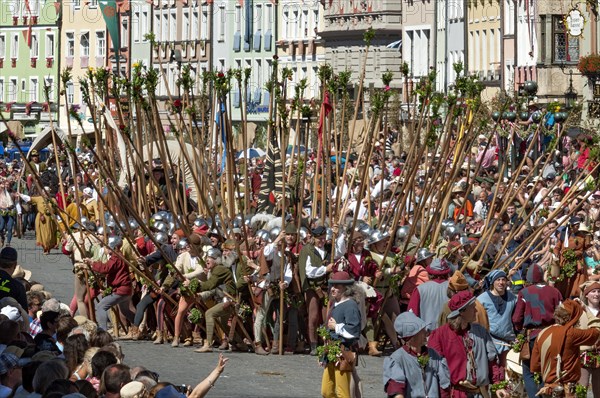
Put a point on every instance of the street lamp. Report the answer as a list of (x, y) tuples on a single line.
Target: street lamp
[(571, 93)]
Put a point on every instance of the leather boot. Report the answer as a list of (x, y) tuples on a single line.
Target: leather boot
[(175, 342), (204, 348), (224, 344), (275, 347), (132, 334), (300, 347), (160, 337), (373, 351), (188, 342), (196, 338), (259, 350)]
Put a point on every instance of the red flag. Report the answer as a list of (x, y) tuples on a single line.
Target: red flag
[(27, 35), (325, 110)]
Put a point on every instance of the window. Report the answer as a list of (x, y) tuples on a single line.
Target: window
[(93, 3), (194, 25), (269, 16), (12, 90), (49, 82), (204, 26), (165, 26), (286, 20), (173, 25), (315, 22), (14, 51), (76, 4), (566, 48), (35, 46), (1, 89), (135, 23), (70, 92), (14, 7), (222, 22), (49, 45), (34, 88), (144, 25), (185, 30), (34, 7), (124, 40), (2, 46), (100, 43), (509, 17), (70, 44), (85, 44), (258, 18), (305, 23), (157, 31)]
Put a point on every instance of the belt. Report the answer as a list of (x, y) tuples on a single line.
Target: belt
[(519, 282)]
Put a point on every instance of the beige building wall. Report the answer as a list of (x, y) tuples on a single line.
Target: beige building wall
[(84, 44), (484, 43)]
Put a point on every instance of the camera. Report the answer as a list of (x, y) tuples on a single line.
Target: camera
[(182, 389)]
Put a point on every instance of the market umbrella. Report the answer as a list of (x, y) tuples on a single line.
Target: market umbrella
[(297, 149), (251, 153)]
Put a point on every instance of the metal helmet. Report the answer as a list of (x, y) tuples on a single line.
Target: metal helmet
[(303, 233), (465, 240), (377, 236), (263, 235), (133, 224), (275, 233), (157, 217), (123, 226), (168, 216), (161, 226), (163, 214), (161, 238), (83, 220), (183, 244), (451, 232), (100, 230), (237, 221), (248, 220), (402, 232), (213, 253), (90, 226), (423, 254), (172, 228), (115, 241), (329, 234), (448, 222), (200, 222)]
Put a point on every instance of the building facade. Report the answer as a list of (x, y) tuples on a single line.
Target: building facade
[(29, 62), (343, 31), (484, 41), (83, 45)]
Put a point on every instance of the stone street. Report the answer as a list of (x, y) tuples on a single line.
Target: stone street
[(246, 375)]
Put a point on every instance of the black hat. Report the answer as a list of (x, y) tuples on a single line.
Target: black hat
[(319, 231), (8, 254)]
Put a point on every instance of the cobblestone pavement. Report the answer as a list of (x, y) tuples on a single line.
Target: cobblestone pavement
[(246, 375)]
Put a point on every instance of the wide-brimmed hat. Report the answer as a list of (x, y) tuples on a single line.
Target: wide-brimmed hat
[(133, 389), (407, 324), (319, 231), (341, 278), (21, 272), (291, 229), (459, 302)]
